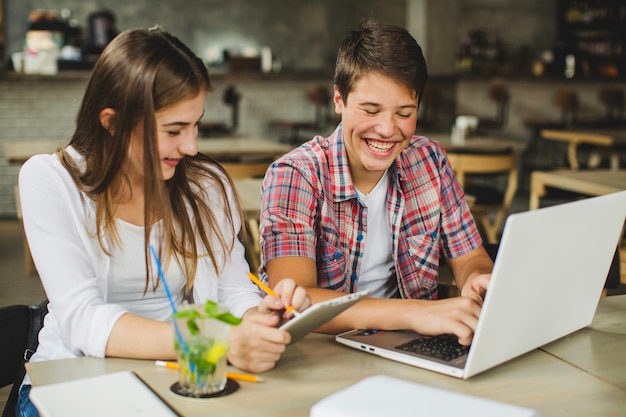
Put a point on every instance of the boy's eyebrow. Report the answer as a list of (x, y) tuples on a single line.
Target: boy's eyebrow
[(404, 106)]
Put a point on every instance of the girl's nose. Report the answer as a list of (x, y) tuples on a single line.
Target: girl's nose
[(189, 146)]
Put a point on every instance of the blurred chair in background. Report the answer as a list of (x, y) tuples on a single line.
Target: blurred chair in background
[(240, 170), (501, 97), (612, 99), (567, 102), (480, 173), (429, 108), (542, 154), (250, 204), (231, 98), (303, 130)]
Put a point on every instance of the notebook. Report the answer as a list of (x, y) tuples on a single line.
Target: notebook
[(548, 277), (117, 394)]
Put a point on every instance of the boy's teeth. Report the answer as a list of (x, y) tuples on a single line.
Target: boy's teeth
[(379, 146)]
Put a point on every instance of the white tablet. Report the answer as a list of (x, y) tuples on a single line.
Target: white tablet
[(319, 313)]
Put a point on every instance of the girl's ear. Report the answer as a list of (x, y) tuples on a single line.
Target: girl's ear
[(106, 118)]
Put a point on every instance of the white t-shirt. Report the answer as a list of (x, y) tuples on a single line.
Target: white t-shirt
[(377, 272), (127, 277)]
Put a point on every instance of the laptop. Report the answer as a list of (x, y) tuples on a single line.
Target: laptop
[(547, 280)]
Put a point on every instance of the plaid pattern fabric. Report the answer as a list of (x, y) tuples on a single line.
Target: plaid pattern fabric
[(310, 209)]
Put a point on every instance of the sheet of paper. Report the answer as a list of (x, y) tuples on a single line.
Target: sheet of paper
[(382, 395)]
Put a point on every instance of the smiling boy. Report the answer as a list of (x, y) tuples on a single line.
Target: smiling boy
[(374, 207)]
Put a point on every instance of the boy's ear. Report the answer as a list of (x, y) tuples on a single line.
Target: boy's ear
[(337, 100), (106, 118)]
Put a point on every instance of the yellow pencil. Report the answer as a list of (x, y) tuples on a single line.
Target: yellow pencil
[(231, 375), (269, 291)]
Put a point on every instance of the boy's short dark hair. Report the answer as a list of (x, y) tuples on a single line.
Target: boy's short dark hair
[(384, 48)]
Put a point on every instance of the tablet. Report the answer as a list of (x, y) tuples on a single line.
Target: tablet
[(319, 313)]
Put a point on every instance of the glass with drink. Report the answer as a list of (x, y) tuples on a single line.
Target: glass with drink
[(202, 337)]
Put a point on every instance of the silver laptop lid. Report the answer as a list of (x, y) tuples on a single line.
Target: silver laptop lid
[(548, 277)]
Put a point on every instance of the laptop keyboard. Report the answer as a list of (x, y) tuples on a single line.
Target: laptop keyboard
[(445, 347)]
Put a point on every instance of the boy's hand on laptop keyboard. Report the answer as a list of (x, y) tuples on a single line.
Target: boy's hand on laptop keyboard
[(476, 287), (456, 315), (472, 273)]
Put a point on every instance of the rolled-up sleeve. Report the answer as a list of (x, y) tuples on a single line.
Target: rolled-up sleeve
[(288, 207)]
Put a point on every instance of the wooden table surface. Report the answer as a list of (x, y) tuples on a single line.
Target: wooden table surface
[(583, 374), (588, 182), (599, 349)]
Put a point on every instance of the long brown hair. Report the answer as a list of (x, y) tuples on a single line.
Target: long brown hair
[(140, 72)]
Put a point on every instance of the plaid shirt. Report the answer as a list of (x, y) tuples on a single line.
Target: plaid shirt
[(310, 209)]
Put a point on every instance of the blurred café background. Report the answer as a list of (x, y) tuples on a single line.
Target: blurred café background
[(526, 96), (506, 62)]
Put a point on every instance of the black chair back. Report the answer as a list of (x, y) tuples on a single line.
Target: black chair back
[(20, 325)]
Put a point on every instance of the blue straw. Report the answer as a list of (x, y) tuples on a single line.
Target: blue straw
[(179, 336), (169, 297)]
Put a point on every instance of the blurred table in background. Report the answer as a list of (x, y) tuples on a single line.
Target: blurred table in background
[(610, 142), (16, 153), (241, 148), (227, 148), (479, 142), (588, 182)]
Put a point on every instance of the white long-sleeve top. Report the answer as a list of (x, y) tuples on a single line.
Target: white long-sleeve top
[(59, 222)]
